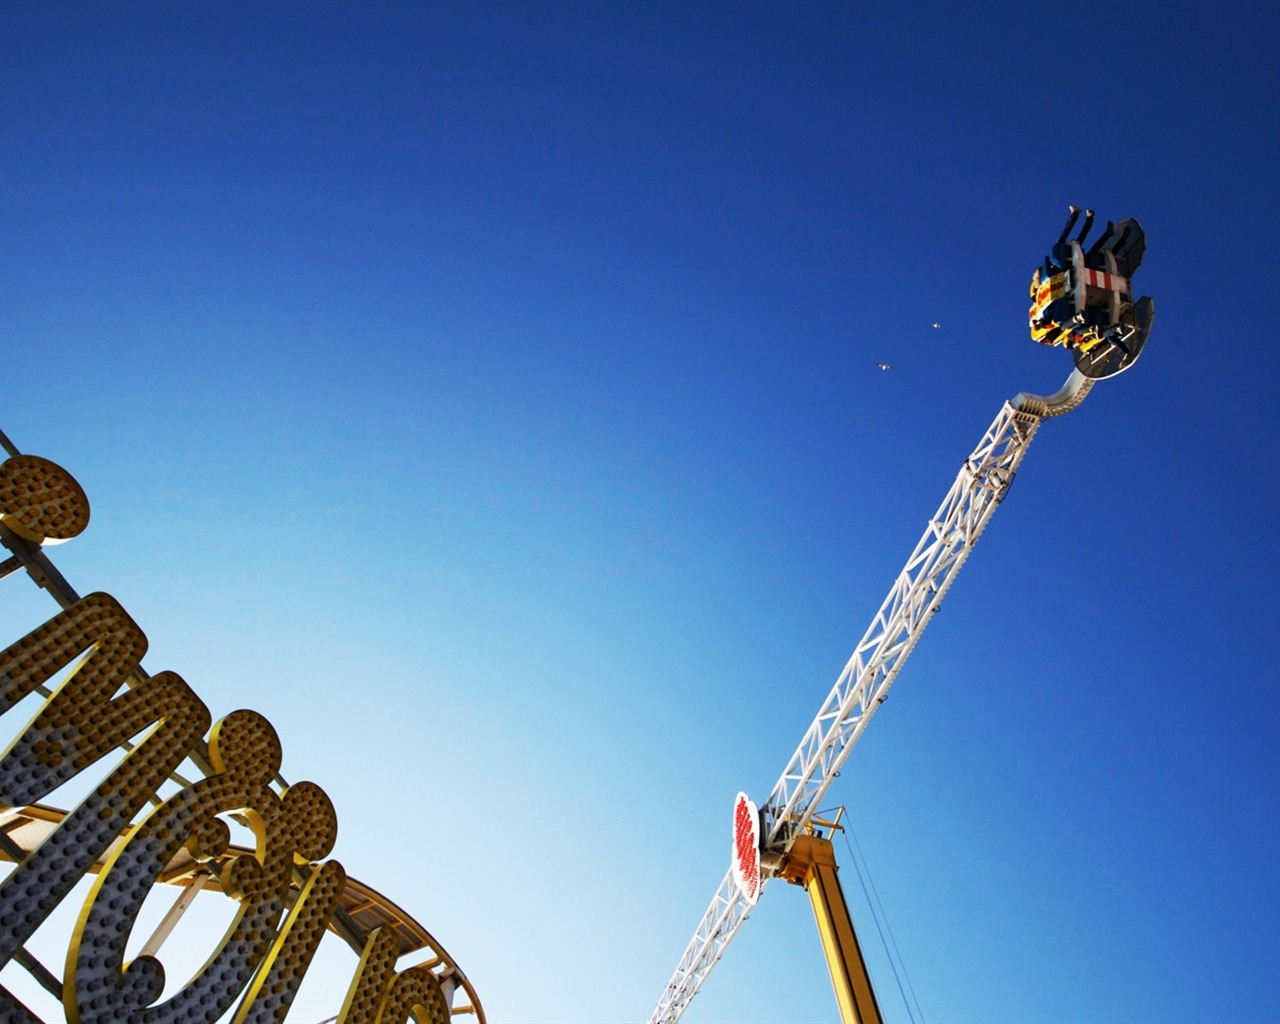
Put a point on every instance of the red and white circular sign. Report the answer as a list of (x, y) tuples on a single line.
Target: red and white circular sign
[(746, 847)]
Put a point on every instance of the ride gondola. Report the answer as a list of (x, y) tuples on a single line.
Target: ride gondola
[(1083, 299)]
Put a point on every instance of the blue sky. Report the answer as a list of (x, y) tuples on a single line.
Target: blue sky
[(487, 393)]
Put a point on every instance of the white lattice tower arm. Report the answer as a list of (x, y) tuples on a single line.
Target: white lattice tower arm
[(948, 538)]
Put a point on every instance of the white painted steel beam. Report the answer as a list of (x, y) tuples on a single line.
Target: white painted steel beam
[(979, 487)]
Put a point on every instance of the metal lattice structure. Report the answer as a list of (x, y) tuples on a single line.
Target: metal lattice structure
[(980, 486)]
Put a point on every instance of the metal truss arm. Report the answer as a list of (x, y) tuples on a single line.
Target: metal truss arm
[(864, 683), (980, 486)]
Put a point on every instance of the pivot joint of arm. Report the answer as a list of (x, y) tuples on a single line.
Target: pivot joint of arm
[(810, 861)]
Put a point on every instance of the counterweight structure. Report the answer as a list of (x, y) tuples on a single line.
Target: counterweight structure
[(980, 486)]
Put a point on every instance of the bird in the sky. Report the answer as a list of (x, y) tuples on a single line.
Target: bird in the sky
[(885, 366), (936, 326)]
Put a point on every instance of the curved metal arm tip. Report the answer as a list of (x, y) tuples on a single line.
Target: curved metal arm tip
[(1062, 401)]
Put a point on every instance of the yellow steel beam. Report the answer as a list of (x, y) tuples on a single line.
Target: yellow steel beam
[(811, 862)]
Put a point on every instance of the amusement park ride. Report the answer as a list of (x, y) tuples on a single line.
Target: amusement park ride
[(144, 823), (1083, 301)]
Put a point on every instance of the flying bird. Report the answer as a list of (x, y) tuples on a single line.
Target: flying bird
[(936, 326), (885, 366)]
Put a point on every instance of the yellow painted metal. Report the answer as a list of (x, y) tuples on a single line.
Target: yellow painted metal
[(40, 501), (104, 716), (811, 862)]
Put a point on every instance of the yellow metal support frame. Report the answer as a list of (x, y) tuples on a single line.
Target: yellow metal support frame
[(811, 862)]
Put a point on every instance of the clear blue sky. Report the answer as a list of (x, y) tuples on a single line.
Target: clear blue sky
[(487, 393)]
